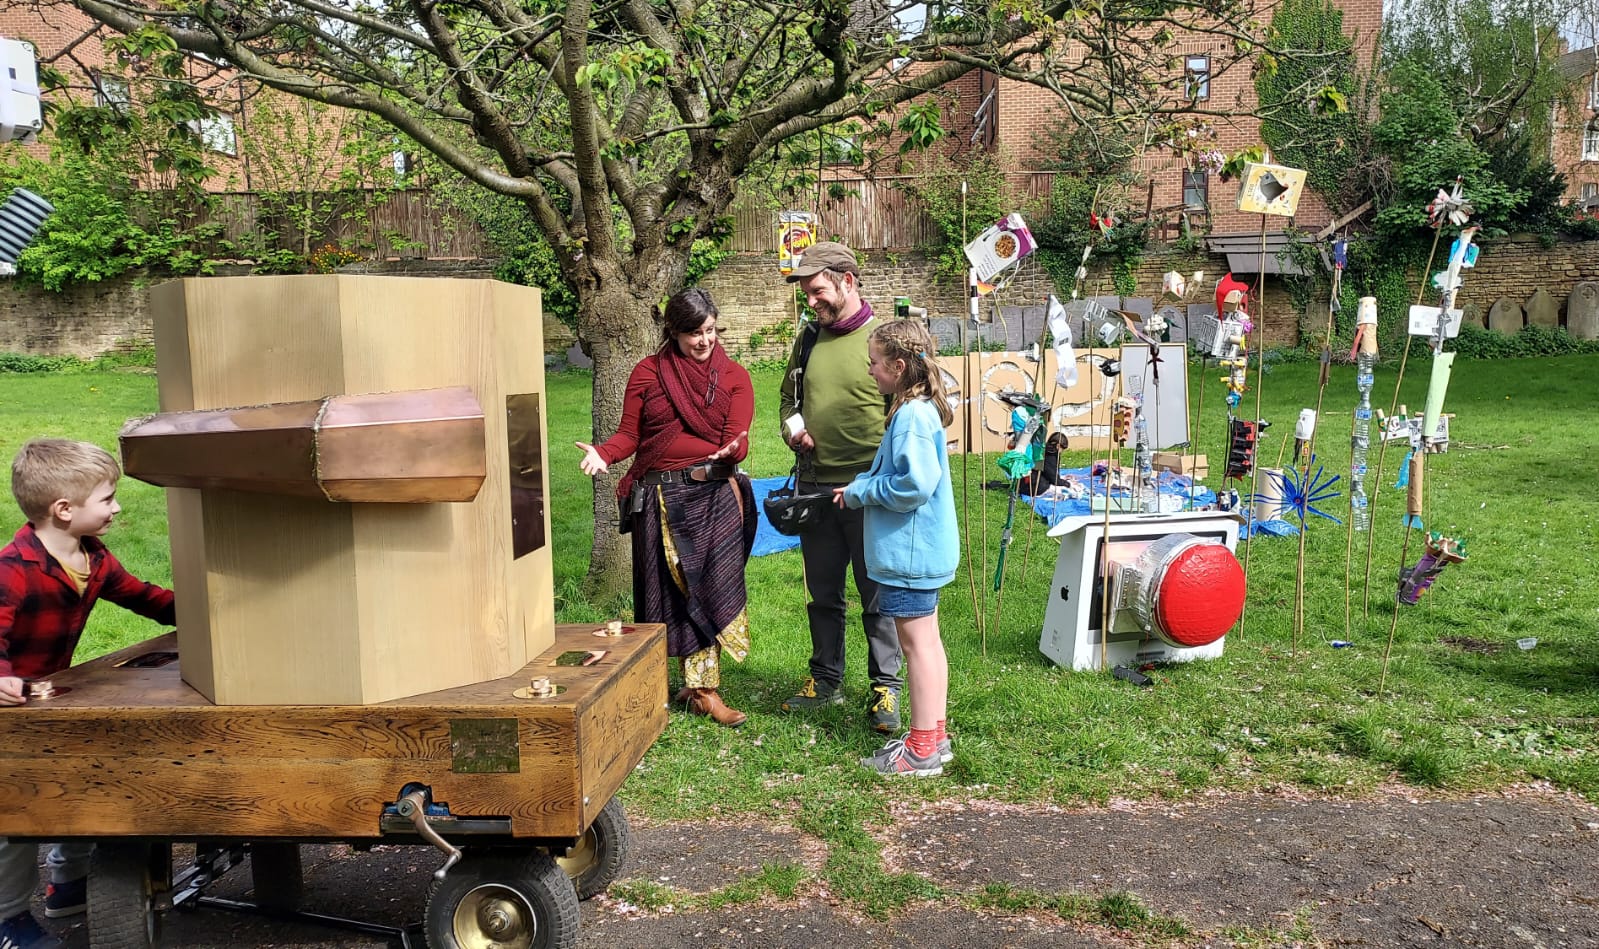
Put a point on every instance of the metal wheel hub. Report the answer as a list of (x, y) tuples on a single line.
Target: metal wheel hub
[(495, 916), (583, 856)]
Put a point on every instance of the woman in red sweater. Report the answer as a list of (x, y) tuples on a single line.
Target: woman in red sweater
[(686, 420)]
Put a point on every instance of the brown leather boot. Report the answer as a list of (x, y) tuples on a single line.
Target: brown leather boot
[(707, 702)]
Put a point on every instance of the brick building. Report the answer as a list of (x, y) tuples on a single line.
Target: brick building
[(1574, 138), (65, 38), (1024, 109)]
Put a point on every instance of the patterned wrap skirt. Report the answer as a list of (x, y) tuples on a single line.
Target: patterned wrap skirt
[(690, 544)]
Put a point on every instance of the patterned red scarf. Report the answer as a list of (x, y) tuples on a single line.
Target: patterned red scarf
[(691, 397)]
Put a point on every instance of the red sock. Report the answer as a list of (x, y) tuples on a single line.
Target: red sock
[(943, 733), (923, 742)]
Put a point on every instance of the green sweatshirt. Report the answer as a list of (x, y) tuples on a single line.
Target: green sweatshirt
[(843, 410)]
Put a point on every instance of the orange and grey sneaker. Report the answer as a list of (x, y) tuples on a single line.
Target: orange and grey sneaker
[(896, 759), (813, 695)]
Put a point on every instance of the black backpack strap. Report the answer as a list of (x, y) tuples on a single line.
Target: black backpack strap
[(807, 342)]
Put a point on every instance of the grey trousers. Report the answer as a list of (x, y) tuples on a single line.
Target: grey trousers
[(828, 548), (19, 870)]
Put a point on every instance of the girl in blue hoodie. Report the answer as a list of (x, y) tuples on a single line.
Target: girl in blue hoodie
[(912, 546)]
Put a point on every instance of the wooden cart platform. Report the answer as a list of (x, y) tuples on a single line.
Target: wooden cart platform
[(126, 749)]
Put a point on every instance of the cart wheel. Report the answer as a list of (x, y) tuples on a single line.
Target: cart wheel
[(504, 901), (121, 899), (276, 873), (597, 858)]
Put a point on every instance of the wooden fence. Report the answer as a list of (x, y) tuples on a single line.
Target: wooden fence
[(382, 225), (865, 213), (869, 213)]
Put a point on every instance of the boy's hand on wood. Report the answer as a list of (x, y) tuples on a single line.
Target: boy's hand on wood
[(13, 691)]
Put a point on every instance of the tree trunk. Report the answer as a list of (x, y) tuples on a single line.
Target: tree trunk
[(617, 324)]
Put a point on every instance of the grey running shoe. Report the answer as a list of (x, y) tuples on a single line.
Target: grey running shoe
[(896, 758)]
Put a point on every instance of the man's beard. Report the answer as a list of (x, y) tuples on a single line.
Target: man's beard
[(826, 313)]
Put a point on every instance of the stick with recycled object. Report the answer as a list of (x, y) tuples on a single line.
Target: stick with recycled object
[(1364, 351), (1413, 502)]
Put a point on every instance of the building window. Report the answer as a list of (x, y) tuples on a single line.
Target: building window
[(1196, 189), (109, 90), (1588, 195), (841, 150), (216, 133), (1590, 143), (1196, 78), (1593, 91)]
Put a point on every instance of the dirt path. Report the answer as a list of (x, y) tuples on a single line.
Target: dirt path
[(1514, 869)]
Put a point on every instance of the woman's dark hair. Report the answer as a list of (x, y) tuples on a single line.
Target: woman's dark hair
[(686, 312)]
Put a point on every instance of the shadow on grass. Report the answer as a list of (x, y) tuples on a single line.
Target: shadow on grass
[(1562, 667)]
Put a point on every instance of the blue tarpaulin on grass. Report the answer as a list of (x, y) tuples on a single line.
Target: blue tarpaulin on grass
[(1053, 511), (767, 539)]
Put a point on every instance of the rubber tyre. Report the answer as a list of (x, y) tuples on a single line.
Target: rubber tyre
[(121, 901), (520, 900), (277, 874), (598, 857)]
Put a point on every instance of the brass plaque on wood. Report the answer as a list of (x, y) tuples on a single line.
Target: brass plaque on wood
[(484, 746), (525, 431)]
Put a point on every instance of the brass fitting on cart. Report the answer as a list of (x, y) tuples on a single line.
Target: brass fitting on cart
[(413, 807)]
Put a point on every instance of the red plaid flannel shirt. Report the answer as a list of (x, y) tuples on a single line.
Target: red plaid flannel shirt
[(41, 612)]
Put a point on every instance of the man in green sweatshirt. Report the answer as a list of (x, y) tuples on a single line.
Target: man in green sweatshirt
[(832, 417)]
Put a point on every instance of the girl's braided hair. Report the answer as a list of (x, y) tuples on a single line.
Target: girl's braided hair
[(910, 341)]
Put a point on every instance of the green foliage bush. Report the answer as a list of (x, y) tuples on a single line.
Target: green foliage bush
[(1474, 342), (1092, 177), (960, 217), (140, 357), (23, 362), (102, 226)]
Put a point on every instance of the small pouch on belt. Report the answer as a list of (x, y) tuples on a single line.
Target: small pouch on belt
[(631, 505)]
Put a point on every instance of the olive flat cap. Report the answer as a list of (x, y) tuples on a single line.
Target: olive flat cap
[(826, 255)]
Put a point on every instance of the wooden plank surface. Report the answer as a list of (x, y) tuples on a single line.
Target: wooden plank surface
[(125, 750)]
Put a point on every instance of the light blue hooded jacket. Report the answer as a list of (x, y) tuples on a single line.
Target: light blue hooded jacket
[(911, 535)]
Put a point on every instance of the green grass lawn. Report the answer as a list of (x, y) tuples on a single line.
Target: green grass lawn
[(1464, 708)]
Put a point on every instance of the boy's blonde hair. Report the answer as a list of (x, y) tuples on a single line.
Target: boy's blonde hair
[(909, 340), (48, 469)]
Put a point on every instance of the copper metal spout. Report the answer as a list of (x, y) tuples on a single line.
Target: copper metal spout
[(418, 446)]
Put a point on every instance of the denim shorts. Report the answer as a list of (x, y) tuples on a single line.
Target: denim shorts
[(904, 602)]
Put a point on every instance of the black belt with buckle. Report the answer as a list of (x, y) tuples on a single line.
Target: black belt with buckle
[(714, 471)]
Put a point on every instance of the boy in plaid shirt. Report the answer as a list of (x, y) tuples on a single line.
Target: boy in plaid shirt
[(51, 574)]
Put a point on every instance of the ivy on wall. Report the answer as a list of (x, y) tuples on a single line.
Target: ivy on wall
[(1308, 97)]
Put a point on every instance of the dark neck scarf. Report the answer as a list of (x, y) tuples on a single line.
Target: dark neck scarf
[(852, 323), (691, 397)]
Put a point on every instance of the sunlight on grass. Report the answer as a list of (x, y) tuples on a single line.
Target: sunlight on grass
[(1464, 708)]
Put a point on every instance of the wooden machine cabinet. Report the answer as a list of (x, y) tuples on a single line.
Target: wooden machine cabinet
[(301, 600)]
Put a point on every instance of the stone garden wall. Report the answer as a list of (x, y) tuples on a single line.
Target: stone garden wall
[(1516, 282)]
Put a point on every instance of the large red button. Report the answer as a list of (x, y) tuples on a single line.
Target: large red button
[(1201, 596)]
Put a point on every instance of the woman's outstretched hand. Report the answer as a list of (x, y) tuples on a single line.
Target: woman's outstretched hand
[(729, 448), (592, 464)]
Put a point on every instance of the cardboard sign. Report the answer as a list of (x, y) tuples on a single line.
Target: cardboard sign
[(1000, 246), (1424, 321), (796, 230), (1271, 189)]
